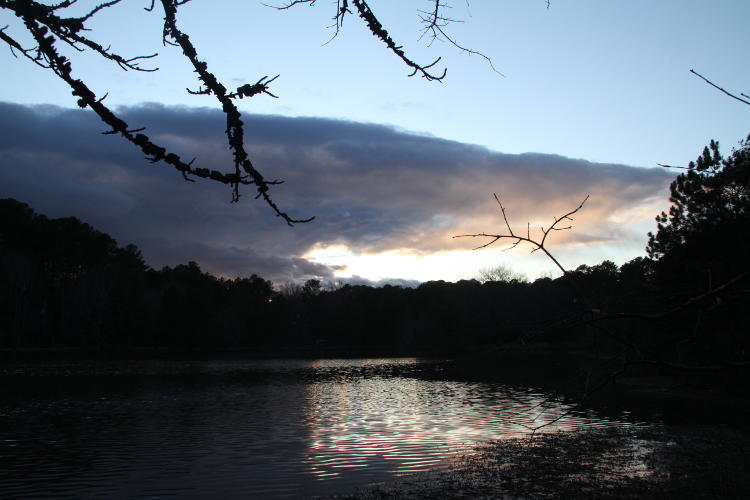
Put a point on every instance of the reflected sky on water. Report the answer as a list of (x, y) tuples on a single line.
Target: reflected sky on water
[(261, 429)]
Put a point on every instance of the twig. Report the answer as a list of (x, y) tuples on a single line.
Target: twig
[(719, 88), (434, 23), (377, 29), (517, 239)]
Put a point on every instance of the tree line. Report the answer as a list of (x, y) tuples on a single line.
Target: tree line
[(67, 284)]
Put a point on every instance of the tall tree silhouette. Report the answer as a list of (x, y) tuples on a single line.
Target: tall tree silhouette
[(708, 225)]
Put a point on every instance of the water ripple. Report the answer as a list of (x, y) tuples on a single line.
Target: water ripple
[(260, 429)]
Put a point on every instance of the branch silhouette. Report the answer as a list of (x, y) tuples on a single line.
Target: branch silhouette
[(516, 239), (47, 27), (733, 96), (48, 24), (234, 131), (434, 22)]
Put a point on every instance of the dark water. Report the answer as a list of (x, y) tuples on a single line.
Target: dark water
[(249, 429)]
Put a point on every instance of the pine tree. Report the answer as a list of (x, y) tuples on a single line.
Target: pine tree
[(709, 220)]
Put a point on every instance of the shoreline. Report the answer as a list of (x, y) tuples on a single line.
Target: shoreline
[(652, 461)]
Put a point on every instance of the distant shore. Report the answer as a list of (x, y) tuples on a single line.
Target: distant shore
[(89, 353)]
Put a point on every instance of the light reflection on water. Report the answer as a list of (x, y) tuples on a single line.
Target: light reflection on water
[(412, 425), (245, 429)]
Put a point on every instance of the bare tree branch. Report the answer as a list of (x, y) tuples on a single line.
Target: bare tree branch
[(234, 130), (518, 239), (721, 89), (47, 24), (291, 4), (62, 68), (68, 29), (434, 22), (13, 44), (46, 27), (377, 29), (674, 166)]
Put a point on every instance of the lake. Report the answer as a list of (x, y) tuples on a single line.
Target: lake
[(250, 429)]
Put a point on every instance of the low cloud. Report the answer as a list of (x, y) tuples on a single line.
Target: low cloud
[(372, 188)]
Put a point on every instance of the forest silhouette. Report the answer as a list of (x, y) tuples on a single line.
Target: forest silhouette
[(70, 286)]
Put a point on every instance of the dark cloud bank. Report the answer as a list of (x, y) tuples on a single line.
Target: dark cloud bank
[(370, 187)]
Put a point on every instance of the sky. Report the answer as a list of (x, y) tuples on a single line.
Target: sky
[(592, 96)]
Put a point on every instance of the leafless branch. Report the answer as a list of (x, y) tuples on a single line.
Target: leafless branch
[(377, 29), (68, 29), (515, 239), (62, 68), (674, 166), (342, 8), (291, 4), (47, 26), (234, 130), (434, 22), (247, 90), (721, 89), (15, 46)]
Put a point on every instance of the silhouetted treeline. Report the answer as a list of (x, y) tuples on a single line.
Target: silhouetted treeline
[(66, 284)]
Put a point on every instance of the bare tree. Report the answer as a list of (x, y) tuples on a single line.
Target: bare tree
[(500, 272)]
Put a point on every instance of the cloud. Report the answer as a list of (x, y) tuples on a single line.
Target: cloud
[(372, 188)]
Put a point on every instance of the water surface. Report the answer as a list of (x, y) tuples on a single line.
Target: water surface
[(251, 429)]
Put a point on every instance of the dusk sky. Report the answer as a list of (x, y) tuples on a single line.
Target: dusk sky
[(592, 96)]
